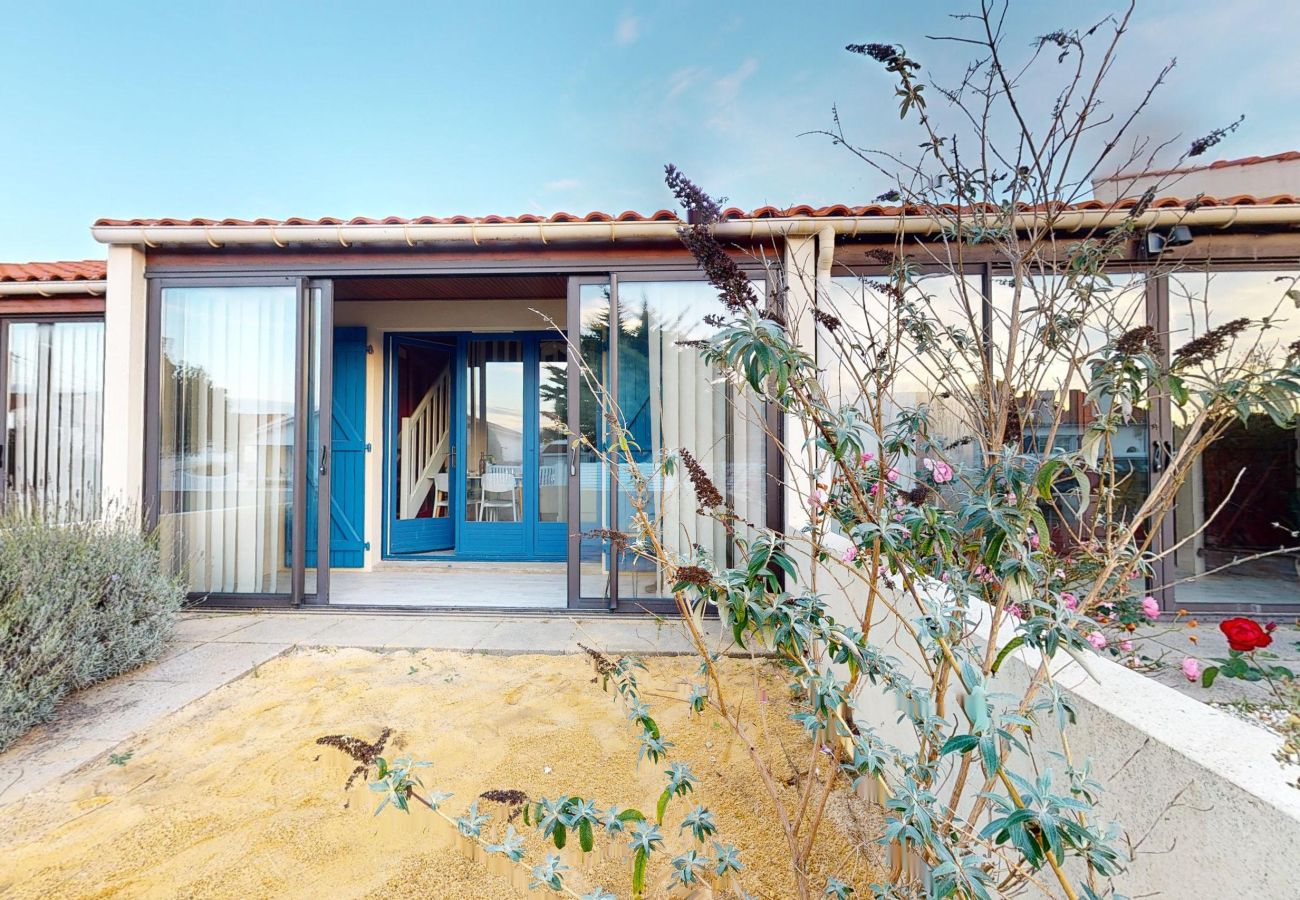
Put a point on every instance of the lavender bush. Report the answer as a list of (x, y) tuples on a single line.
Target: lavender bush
[(78, 603)]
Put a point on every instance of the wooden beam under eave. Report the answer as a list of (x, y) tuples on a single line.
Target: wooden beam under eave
[(67, 305)]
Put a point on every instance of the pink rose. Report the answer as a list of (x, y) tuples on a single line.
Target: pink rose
[(1033, 540), (1191, 669), (1016, 611), (892, 474), (866, 458), (1012, 498), (1150, 607), (850, 553), (1098, 640), (1070, 600), (942, 473), (1126, 646), (817, 498)]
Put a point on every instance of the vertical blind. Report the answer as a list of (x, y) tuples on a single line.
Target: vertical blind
[(54, 417), (672, 398), (227, 436)]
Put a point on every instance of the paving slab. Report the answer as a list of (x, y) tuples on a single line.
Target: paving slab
[(210, 626)]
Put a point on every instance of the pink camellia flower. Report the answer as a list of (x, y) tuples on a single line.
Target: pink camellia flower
[(1016, 611), (1098, 640), (1033, 540), (866, 458), (892, 474), (1150, 607), (942, 473), (874, 489), (850, 553), (1126, 646), (1191, 669), (817, 498), (1070, 600)]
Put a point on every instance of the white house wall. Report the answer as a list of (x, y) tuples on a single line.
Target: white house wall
[(125, 339)]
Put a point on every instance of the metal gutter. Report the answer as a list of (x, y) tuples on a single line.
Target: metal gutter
[(51, 288)]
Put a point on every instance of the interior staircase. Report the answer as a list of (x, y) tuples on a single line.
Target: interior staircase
[(425, 441)]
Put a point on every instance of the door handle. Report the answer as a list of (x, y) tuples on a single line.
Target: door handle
[(573, 460), (324, 466), (1162, 454)]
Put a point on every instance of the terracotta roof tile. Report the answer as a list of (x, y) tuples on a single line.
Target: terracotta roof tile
[(1287, 156), (873, 210), (75, 270)]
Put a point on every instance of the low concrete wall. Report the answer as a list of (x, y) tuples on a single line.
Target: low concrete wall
[(1207, 809)]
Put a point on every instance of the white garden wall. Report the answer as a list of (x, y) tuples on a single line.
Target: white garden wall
[(1207, 809)]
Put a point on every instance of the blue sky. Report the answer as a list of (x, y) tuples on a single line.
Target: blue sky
[(279, 109)]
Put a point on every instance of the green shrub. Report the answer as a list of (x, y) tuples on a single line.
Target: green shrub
[(78, 603)]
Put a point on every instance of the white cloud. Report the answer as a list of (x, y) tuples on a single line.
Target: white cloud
[(628, 30), (727, 88), (563, 184), (726, 97)]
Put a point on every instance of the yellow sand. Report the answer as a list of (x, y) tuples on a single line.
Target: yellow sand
[(232, 797)]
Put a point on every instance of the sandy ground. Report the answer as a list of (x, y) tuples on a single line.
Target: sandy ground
[(232, 797)]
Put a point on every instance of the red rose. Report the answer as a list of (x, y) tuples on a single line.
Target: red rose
[(1244, 635)]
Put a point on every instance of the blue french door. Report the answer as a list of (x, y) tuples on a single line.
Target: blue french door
[(421, 414), (513, 478), (505, 470)]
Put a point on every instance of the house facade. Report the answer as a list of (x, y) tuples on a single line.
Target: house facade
[(378, 411)]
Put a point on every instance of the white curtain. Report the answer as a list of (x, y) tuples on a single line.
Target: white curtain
[(227, 435), (54, 411)]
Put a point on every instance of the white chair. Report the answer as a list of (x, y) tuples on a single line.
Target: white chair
[(497, 483), (441, 483)]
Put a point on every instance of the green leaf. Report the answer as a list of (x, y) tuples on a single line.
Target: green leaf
[(1002, 654), (959, 743), (638, 875), (561, 837), (1208, 676), (661, 806), (631, 815), (586, 840)]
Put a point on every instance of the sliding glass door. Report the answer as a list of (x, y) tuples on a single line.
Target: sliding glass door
[(638, 339), (51, 382), (241, 459)]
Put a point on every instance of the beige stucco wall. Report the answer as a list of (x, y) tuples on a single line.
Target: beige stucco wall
[(1259, 179), (125, 315), (384, 316)]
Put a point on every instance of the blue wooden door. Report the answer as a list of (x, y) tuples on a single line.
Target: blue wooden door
[(414, 364), (348, 451)]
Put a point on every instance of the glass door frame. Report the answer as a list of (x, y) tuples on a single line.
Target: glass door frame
[(774, 506), (309, 328), (1165, 588), (8, 319)]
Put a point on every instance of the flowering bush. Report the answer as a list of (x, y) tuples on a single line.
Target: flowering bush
[(940, 530)]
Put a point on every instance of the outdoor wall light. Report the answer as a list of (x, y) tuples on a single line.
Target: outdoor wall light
[(1178, 236)]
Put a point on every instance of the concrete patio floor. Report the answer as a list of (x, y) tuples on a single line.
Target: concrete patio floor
[(211, 649)]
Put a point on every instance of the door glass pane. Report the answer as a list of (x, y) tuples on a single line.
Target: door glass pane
[(494, 435), (422, 395), (227, 436), (54, 417), (1060, 325), (553, 430), (1242, 498), (943, 380), (671, 398), (594, 559)]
